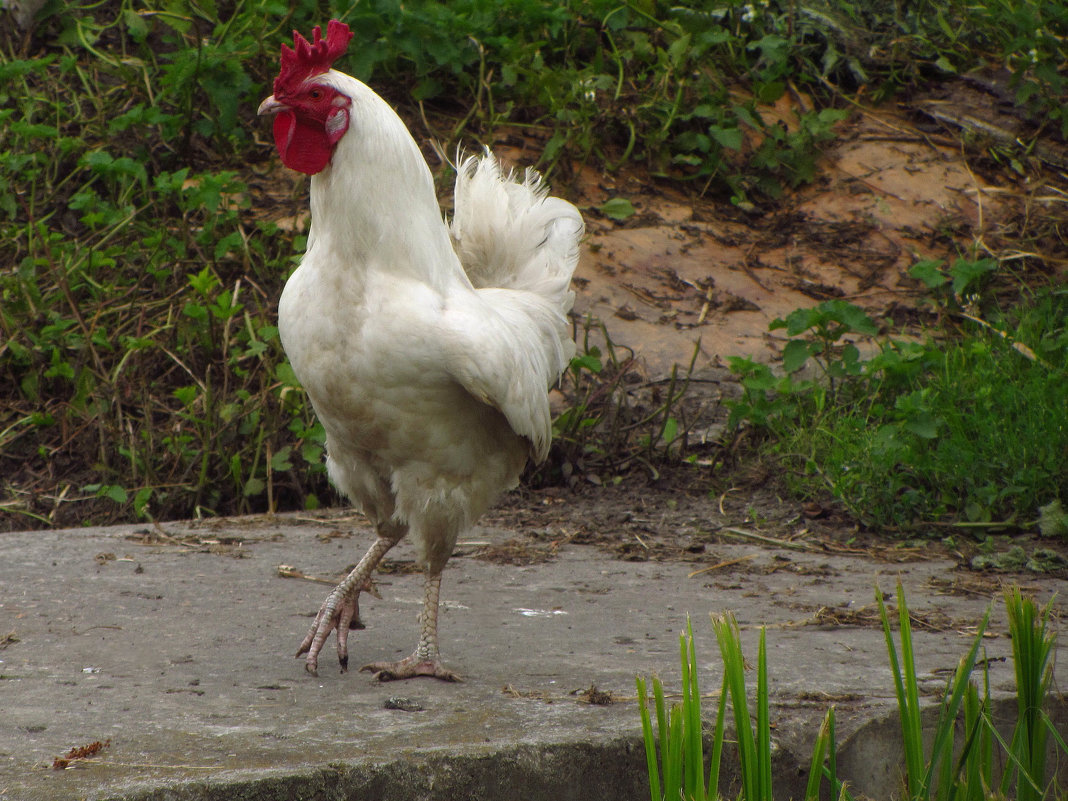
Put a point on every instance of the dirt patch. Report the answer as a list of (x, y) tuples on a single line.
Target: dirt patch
[(678, 517), (685, 270), (687, 516)]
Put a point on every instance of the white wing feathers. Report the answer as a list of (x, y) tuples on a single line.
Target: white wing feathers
[(507, 354), (519, 248)]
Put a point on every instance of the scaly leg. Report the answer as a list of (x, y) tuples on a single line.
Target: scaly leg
[(341, 610), (425, 661)]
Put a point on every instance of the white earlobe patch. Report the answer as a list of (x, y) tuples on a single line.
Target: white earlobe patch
[(337, 122)]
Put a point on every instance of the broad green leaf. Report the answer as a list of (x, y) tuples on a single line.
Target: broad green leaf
[(795, 354), (618, 208), (114, 492), (283, 372), (730, 138), (965, 273), (588, 361), (141, 499), (280, 461), (929, 272), (853, 317), (924, 425)]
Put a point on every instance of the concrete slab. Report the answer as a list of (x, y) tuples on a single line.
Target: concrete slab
[(177, 650)]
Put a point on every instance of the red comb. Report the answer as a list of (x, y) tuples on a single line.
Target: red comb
[(306, 58)]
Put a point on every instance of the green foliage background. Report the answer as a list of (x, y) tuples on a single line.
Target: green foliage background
[(140, 370)]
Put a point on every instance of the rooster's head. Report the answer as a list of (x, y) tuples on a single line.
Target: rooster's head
[(310, 114)]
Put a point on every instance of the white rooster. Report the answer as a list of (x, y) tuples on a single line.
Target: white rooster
[(426, 349)]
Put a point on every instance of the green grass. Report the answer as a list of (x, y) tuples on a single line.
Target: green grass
[(963, 757), (963, 767), (141, 375), (1032, 655), (966, 431), (931, 774), (674, 749)]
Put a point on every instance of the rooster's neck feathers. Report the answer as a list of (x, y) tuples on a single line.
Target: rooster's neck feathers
[(376, 203)]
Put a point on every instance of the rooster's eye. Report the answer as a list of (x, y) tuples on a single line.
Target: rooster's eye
[(315, 94)]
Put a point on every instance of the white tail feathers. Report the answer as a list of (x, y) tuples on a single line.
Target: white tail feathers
[(508, 232)]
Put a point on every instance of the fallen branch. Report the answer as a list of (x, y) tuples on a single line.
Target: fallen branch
[(749, 535)]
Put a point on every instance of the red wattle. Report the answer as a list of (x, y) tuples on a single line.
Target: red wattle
[(303, 146)]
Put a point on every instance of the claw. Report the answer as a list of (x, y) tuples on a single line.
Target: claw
[(336, 614), (340, 611), (349, 612), (425, 660)]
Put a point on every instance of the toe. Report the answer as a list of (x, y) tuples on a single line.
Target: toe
[(409, 669)]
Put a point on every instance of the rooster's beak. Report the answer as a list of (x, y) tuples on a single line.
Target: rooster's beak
[(271, 106)]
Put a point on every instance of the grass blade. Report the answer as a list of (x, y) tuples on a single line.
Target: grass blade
[(914, 749), (727, 634), (692, 733), (662, 730), (911, 730), (978, 759), (673, 778), (717, 741), (763, 745), (819, 752), (1017, 766), (942, 745), (1032, 648), (650, 743), (837, 788)]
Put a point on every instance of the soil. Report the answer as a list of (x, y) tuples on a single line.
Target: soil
[(680, 517), (688, 272)]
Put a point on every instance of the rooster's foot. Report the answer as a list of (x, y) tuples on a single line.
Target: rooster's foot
[(336, 614), (409, 668)]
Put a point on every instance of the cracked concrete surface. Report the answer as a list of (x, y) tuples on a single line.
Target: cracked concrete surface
[(177, 650)]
